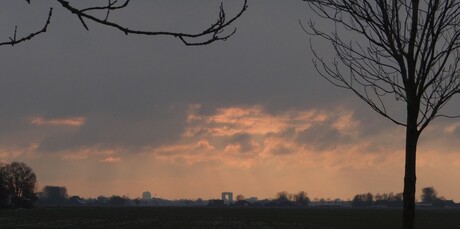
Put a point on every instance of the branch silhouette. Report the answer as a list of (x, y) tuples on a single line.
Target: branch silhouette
[(15, 40), (215, 32)]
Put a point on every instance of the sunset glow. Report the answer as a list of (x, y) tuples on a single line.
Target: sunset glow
[(313, 149), (106, 114)]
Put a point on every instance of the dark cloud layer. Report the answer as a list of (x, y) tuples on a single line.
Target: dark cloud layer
[(133, 90), (112, 131), (322, 137), (244, 141)]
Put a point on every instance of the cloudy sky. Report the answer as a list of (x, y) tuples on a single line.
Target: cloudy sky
[(103, 113)]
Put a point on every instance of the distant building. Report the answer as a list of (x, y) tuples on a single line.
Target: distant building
[(146, 196), (227, 198)]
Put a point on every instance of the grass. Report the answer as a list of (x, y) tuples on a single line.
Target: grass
[(175, 217)]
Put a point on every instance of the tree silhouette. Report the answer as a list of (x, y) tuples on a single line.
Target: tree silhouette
[(283, 196), (21, 183), (301, 199), (363, 200), (429, 195), (55, 194), (215, 32), (3, 188), (410, 54), (240, 197)]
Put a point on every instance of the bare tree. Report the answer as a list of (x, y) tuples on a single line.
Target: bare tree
[(282, 196), (21, 183), (410, 54), (301, 199), (215, 32)]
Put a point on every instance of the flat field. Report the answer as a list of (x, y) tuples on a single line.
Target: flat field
[(203, 217)]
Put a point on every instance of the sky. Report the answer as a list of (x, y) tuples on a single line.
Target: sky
[(107, 114)]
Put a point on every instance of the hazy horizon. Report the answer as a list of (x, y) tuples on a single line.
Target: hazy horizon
[(102, 113)]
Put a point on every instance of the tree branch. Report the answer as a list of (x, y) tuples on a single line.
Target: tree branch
[(15, 40), (215, 32), (211, 34)]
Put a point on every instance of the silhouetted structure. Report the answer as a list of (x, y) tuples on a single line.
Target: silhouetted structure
[(227, 198), (146, 196)]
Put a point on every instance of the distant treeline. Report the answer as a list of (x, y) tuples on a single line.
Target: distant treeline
[(18, 185), (429, 198), (57, 196)]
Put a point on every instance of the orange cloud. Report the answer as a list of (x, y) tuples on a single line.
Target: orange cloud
[(345, 123), (73, 121), (12, 153), (252, 120), (248, 136), (90, 153), (111, 159), (200, 146), (450, 129)]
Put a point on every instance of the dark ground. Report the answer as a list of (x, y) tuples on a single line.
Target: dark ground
[(202, 217)]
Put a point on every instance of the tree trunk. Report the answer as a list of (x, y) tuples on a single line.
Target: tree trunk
[(410, 178)]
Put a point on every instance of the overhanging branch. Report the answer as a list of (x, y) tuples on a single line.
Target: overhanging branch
[(15, 40), (215, 32), (211, 34)]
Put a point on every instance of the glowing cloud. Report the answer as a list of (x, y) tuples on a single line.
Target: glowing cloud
[(72, 121), (12, 153), (111, 159), (247, 136), (450, 129), (252, 120)]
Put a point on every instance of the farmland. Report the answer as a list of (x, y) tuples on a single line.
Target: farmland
[(203, 217)]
